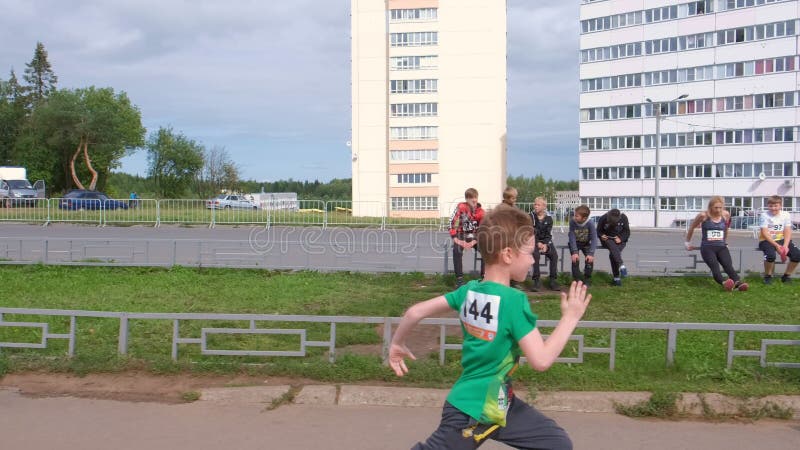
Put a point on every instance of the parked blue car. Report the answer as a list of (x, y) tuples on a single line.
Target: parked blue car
[(82, 199)]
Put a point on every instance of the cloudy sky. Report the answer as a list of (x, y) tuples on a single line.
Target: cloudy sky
[(270, 81)]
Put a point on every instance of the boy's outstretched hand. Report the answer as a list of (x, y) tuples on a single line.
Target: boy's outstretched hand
[(396, 354), (575, 301)]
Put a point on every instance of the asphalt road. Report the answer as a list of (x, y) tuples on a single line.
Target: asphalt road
[(331, 249), (85, 424)]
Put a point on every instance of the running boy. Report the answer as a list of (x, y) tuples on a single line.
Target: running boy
[(498, 326), (776, 237), (713, 246), (543, 226), (463, 225), (613, 230), (582, 238)]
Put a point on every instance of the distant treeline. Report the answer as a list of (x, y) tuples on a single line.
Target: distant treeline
[(121, 184)]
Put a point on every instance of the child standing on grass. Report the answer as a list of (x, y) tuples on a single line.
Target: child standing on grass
[(776, 237), (582, 238), (713, 246), (498, 327)]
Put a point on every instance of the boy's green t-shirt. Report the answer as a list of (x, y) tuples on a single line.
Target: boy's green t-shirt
[(493, 319)]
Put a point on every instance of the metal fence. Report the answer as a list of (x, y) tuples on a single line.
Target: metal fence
[(39, 321), (293, 213)]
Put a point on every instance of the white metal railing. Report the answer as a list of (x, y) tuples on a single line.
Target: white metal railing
[(135, 211), (36, 321), (288, 213), (304, 213), (179, 211), (70, 210), (27, 210)]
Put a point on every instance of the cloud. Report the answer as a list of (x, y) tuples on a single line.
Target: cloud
[(271, 79)]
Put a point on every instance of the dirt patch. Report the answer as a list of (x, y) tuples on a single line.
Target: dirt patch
[(130, 386)]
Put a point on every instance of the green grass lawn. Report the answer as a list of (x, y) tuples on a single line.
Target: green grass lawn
[(640, 363)]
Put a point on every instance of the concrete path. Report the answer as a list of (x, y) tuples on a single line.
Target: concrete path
[(239, 422), (332, 249)]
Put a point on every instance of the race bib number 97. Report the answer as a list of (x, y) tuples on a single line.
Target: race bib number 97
[(776, 231), (479, 315)]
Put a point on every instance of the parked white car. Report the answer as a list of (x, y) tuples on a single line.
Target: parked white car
[(225, 201)]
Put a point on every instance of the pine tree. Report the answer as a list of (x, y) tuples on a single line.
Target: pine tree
[(15, 91), (40, 76)]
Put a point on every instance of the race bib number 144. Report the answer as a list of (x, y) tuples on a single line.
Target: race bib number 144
[(479, 314)]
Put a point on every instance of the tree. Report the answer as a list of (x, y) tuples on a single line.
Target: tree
[(174, 162), (530, 188), (12, 117), (15, 91), (219, 172), (63, 127), (40, 76)]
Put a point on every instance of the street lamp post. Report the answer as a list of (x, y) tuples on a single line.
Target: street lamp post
[(657, 169)]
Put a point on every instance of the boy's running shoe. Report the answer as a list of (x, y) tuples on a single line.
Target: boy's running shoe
[(728, 285), (786, 279), (741, 286), (768, 279), (617, 282), (623, 271)]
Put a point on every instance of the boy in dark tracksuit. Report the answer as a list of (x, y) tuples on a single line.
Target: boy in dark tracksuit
[(463, 226), (613, 230), (543, 228), (582, 238)]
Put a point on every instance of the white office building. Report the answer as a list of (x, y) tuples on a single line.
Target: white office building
[(429, 105), (725, 74)]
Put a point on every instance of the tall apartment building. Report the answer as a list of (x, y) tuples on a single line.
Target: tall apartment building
[(429, 104), (734, 134)]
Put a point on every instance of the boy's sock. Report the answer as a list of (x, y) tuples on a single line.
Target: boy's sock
[(786, 278), (623, 271)]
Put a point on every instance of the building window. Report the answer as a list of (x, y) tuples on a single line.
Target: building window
[(414, 178), (725, 5), (414, 155), (418, 14), (697, 106), (426, 86), (720, 71), (413, 133), (415, 203), (413, 62), (414, 39), (414, 109)]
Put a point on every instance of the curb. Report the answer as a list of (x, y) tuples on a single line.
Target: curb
[(688, 405)]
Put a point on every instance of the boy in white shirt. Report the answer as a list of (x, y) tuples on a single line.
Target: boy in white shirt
[(776, 239)]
